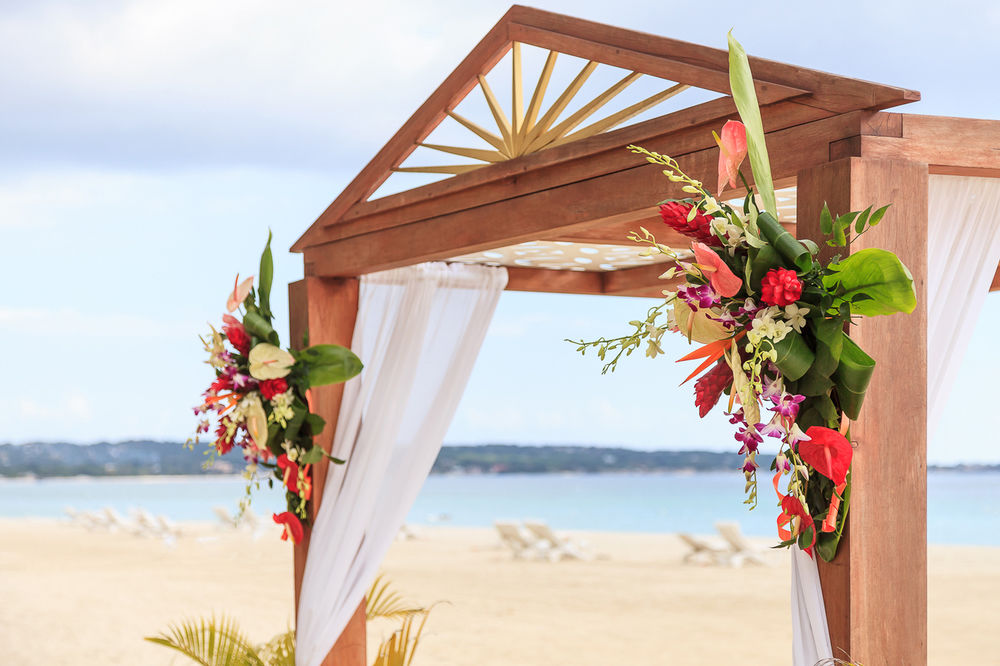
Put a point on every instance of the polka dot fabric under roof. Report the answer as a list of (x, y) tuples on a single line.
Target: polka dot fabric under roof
[(561, 255), (566, 256)]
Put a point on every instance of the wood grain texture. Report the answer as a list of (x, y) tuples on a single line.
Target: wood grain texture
[(995, 286), (556, 211), (698, 65), (324, 311), (876, 588)]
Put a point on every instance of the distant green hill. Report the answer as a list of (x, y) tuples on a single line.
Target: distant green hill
[(147, 457)]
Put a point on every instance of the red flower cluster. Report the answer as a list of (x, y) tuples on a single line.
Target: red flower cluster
[(780, 287), (675, 214), (710, 386), (292, 525), (236, 334), (272, 387)]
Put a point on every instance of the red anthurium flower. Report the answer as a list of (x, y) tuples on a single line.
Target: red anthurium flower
[(723, 280), (828, 452), (732, 150), (791, 508), (293, 528), (290, 473)]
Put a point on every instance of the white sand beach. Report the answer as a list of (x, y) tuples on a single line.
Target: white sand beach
[(69, 596)]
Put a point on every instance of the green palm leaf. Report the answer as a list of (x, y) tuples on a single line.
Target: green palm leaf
[(209, 642), (384, 602), (400, 648)]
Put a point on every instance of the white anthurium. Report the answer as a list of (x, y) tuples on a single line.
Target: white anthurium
[(269, 362), (256, 420)]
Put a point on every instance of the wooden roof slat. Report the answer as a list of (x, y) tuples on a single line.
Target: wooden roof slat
[(689, 63)]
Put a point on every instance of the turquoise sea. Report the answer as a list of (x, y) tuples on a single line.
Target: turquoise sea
[(963, 508)]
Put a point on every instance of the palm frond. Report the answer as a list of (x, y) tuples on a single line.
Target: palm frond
[(384, 602), (400, 648), (209, 642), (280, 650)]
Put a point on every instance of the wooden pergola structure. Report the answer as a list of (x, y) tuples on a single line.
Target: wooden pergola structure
[(545, 186)]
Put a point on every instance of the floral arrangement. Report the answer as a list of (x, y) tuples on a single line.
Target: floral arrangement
[(771, 319), (259, 400)]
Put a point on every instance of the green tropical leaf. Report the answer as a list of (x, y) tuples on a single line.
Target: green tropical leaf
[(280, 650), (257, 326), (210, 642), (825, 221), (329, 364), (794, 356), (266, 276), (745, 97), (382, 601), (790, 249), (829, 334), (875, 282), (853, 374), (312, 456)]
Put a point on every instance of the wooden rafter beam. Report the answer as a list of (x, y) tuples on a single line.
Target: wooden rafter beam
[(642, 281)]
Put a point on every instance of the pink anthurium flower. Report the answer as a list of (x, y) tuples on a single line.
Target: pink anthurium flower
[(828, 452), (732, 150), (240, 291), (722, 279)]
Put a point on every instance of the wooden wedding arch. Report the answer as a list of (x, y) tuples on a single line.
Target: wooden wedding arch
[(550, 180)]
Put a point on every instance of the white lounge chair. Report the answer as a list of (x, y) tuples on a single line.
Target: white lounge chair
[(226, 518), (742, 550), (704, 550), (116, 522), (557, 547), (520, 544)]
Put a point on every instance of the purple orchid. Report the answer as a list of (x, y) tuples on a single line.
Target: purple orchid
[(751, 439), (787, 405), (771, 430), (737, 417), (702, 296), (749, 466)]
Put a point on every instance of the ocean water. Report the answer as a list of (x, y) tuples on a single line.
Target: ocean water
[(963, 508)]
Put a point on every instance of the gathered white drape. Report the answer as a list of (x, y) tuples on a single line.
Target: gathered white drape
[(418, 332), (963, 249)]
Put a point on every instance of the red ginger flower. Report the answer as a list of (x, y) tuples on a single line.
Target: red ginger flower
[(710, 386), (675, 214), (236, 334), (272, 387), (293, 528), (780, 287)]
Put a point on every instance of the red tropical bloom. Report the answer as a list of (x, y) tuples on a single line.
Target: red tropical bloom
[(780, 287), (828, 452), (290, 473), (675, 214), (236, 334), (710, 386), (293, 528), (272, 387)]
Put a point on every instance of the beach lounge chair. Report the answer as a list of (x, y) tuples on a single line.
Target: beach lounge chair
[(704, 550), (520, 544), (116, 522), (227, 519), (742, 550), (557, 547), (146, 521)]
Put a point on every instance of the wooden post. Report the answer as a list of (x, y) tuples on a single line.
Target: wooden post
[(875, 590), (325, 309)]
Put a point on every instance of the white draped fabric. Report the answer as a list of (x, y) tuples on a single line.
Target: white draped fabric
[(418, 332), (963, 248), (963, 240)]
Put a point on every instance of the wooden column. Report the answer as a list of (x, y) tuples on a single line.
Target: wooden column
[(876, 589), (325, 309)]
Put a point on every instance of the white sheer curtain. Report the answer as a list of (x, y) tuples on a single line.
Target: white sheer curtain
[(418, 332), (963, 241), (963, 249)]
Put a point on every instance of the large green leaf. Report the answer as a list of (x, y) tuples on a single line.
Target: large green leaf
[(790, 249), (829, 334), (853, 374), (266, 278), (794, 356), (761, 261), (210, 642), (745, 96), (257, 326), (875, 282), (329, 364)]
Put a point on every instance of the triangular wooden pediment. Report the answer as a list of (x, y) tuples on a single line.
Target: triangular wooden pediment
[(529, 128)]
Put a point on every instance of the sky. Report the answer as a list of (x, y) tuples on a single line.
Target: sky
[(147, 147)]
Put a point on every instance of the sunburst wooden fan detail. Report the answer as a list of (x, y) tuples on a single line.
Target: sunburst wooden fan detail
[(523, 132)]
